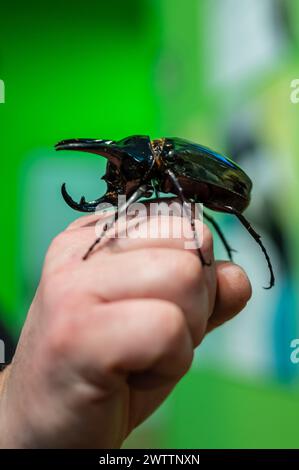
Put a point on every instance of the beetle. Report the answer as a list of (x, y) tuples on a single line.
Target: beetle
[(138, 166)]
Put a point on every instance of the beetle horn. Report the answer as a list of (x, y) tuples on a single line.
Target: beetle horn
[(105, 148), (133, 147), (83, 205)]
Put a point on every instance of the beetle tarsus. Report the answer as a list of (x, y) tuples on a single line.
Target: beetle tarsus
[(257, 238), (96, 242), (141, 191), (90, 249), (199, 252)]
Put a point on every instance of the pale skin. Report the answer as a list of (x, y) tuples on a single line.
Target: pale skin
[(106, 340)]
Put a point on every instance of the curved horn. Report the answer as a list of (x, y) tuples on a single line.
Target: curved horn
[(83, 205), (105, 148), (136, 147)]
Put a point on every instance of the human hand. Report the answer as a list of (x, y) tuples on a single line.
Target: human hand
[(106, 340)]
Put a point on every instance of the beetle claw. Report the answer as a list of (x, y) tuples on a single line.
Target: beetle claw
[(83, 205)]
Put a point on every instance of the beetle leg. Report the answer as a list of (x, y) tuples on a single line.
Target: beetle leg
[(257, 238), (254, 235), (178, 190), (154, 185), (83, 205), (229, 250), (141, 191)]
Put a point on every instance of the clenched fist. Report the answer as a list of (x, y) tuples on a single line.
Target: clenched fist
[(107, 339)]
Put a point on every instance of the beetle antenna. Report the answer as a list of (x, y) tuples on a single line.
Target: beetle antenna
[(257, 238), (178, 190), (216, 226), (135, 196)]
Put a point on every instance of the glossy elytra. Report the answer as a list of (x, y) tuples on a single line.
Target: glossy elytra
[(138, 166)]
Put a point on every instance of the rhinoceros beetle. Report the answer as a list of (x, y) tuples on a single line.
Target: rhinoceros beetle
[(138, 166)]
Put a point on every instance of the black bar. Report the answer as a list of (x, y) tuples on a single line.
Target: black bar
[(143, 457)]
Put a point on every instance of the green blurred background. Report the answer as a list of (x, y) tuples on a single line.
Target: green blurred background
[(218, 72)]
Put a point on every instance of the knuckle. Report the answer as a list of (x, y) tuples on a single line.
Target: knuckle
[(86, 220), (187, 270), (57, 241), (178, 346), (58, 244), (182, 266), (173, 325), (77, 223)]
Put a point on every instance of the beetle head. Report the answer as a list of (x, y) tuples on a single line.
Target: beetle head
[(132, 156)]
